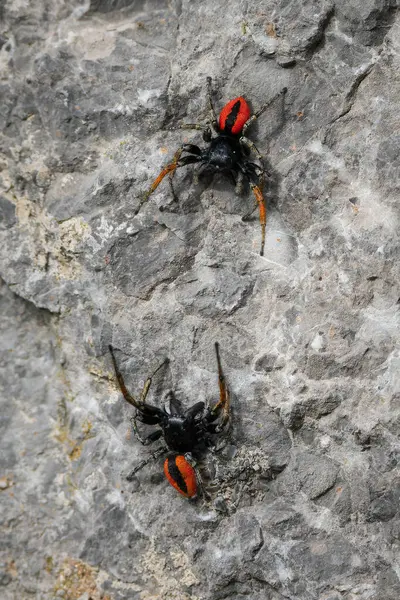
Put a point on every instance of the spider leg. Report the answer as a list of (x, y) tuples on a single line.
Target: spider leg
[(207, 135), (176, 162), (194, 410), (222, 406), (232, 175), (263, 213), (246, 143), (247, 216), (261, 110), (171, 187), (260, 202), (202, 168), (196, 173), (145, 462), (197, 126), (149, 380), (194, 157), (151, 415), (256, 172), (239, 184), (254, 169), (249, 170), (214, 121), (128, 397), (146, 441), (143, 413)]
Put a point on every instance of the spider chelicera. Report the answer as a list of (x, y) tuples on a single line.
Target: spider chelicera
[(226, 153), (186, 433)]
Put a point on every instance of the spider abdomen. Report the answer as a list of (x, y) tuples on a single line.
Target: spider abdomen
[(227, 153), (234, 115), (181, 475)]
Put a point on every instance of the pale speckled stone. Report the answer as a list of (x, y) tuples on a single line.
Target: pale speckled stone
[(308, 479)]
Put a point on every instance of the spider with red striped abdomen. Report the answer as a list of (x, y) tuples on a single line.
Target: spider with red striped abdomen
[(186, 433), (226, 153)]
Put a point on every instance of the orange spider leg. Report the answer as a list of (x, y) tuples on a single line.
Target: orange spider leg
[(128, 397), (170, 168), (223, 402), (263, 214)]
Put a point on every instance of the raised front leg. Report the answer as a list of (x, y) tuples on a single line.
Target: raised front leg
[(220, 410), (151, 415), (128, 397)]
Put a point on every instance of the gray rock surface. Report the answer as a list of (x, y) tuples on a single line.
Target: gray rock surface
[(305, 501)]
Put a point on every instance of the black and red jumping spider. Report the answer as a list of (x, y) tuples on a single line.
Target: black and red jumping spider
[(186, 434), (226, 153)]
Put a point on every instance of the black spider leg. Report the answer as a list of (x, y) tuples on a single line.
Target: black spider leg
[(194, 411), (146, 413), (198, 413), (220, 410), (204, 165), (248, 147), (149, 439), (234, 178), (145, 462)]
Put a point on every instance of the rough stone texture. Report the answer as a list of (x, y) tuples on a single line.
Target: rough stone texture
[(305, 502)]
